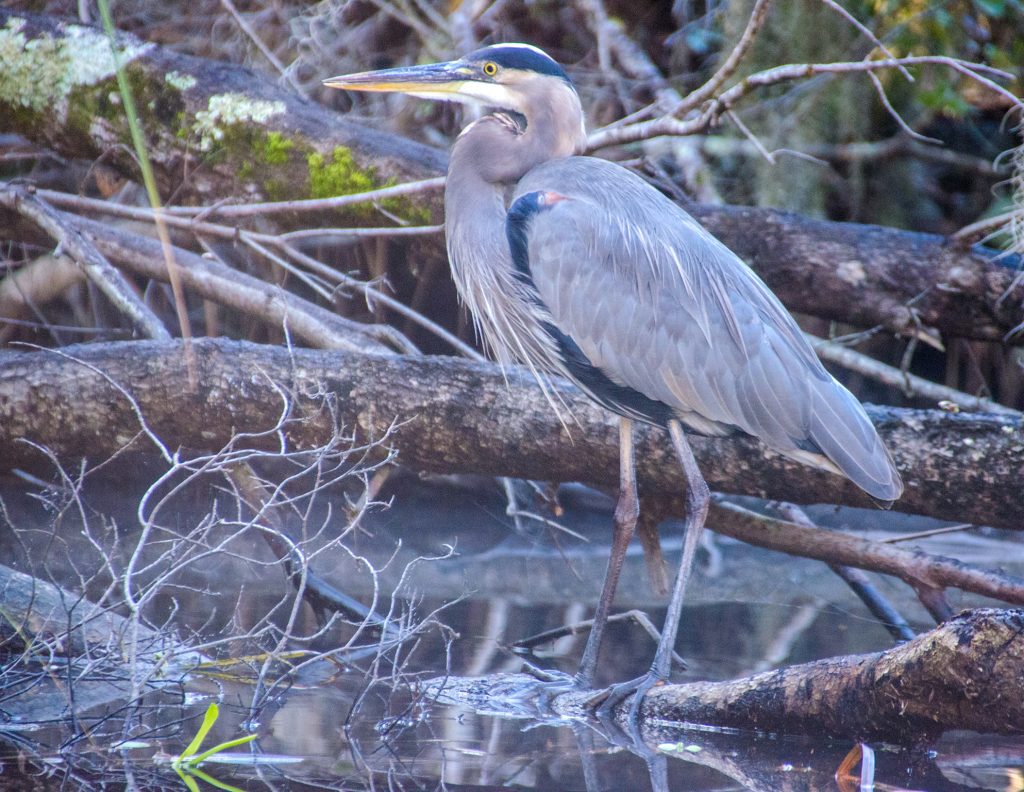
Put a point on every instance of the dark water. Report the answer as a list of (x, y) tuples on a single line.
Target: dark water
[(446, 557)]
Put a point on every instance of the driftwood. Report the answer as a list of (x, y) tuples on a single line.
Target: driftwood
[(453, 416), (45, 620), (964, 674), (866, 275)]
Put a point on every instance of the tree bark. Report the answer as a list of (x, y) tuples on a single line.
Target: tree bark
[(964, 674), (864, 275), (868, 275), (449, 415)]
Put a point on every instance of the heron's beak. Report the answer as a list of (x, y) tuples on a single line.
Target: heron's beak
[(433, 81)]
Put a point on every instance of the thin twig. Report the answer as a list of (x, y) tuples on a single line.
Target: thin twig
[(312, 204), (867, 33), (859, 583), (671, 125), (215, 281), (905, 381), (835, 547), (758, 15), (62, 227), (200, 227), (267, 53)]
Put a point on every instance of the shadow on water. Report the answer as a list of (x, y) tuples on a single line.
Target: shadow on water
[(356, 718)]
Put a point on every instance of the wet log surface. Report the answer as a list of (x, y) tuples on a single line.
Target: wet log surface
[(964, 674), (452, 416)]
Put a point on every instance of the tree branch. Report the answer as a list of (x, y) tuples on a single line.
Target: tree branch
[(108, 280), (460, 416)]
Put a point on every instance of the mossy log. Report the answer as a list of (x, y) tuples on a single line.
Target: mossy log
[(211, 129), (215, 130), (453, 416)]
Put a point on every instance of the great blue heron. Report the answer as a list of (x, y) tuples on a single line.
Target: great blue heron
[(575, 266)]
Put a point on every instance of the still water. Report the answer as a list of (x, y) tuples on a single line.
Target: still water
[(444, 561)]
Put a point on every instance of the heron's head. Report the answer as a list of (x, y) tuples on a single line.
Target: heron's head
[(516, 77)]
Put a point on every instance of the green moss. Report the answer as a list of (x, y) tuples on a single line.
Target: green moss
[(276, 148), (338, 175)]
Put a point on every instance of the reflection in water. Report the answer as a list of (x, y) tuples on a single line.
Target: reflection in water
[(359, 720)]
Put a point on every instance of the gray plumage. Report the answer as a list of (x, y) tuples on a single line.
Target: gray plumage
[(573, 265), (652, 299), (660, 305)]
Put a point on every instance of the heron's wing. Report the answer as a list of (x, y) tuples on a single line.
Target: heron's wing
[(659, 306)]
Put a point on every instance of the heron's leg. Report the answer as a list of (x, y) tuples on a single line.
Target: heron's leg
[(627, 510), (698, 497)]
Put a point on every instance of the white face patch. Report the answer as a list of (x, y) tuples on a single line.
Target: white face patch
[(489, 94)]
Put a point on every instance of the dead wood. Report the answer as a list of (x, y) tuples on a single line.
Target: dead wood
[(870, 275), (865, 275), (454, 416), (964, 674), (43, 619)]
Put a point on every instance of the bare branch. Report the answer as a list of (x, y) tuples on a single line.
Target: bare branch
[(671, 125), (63, 229), (909, 383)]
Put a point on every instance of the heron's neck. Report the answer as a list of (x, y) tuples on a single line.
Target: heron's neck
[(488, 159), (474, 209)]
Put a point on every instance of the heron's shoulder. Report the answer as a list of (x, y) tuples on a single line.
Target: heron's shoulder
[(595, 180)]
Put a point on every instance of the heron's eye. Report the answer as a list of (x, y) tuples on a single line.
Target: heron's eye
[(490, 68)]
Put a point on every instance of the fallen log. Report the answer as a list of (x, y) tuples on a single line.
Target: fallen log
[(452, 416), (964, 674), (212, 129)]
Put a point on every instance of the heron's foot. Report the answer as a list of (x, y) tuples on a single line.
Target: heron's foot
[(551, 684), (608, 700)]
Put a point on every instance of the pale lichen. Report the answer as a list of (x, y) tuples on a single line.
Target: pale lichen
[(39, 73), (180, 81), (851, 272), (226, 110)]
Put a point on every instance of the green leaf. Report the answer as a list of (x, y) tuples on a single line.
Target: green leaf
[(209, 779), (187, 780), (210, 718), (224, 746)]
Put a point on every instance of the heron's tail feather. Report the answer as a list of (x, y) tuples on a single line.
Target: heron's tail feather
[(843, 433)]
